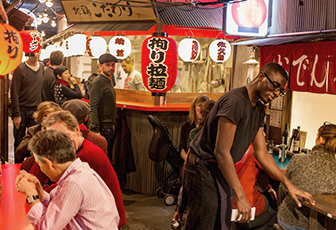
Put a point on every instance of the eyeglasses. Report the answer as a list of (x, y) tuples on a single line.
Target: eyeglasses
[(276, 86)]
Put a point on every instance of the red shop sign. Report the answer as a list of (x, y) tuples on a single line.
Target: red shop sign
[(159, 63), (311, 66)]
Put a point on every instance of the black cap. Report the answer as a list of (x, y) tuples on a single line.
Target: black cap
[(104, 58), (59, 70)]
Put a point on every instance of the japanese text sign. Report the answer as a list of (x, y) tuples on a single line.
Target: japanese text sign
[(10, 49), (310, 65), (159, 63), (103, 11)]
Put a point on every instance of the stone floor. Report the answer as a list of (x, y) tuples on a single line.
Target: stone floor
[(142, 212)]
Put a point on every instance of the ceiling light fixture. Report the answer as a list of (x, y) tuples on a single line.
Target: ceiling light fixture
[(53, 23), (49, 3)]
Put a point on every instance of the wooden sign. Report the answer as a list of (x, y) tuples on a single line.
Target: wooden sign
[(111, 11)]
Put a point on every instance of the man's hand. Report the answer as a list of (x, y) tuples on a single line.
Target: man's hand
[(244, 209), (17, 121), (28, 184), (296, 194)]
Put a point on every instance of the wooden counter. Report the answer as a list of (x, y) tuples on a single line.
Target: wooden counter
[(150, 175), (150, 107), (137, 105)]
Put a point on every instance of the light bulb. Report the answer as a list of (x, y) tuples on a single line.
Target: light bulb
[(38, 21), (49, 3), (42, 1), (43, 33), (53, 23), (45, 19)]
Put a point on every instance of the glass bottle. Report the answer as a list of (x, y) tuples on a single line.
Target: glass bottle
[(296, 144)]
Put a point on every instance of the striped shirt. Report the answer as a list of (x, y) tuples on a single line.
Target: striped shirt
[(81, 200)]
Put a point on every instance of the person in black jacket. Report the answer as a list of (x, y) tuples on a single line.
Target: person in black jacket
[(63, 89)]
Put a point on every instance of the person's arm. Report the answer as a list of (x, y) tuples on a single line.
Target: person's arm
[(60, 210), (268, 163), (22, 150), (71, 93), (225, 136), (15, 89), (138, 82), (96, 95)]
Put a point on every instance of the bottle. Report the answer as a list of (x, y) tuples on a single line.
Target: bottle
[(291, 140), (285, 135), (296, 143)]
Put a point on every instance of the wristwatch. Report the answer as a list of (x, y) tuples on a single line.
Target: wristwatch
[(32, 198)]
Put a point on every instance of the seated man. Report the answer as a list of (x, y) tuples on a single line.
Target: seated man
[(81, 199), (87, 152), (81, 109)]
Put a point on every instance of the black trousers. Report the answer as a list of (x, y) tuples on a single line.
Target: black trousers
[(209, 197), (109, 135)]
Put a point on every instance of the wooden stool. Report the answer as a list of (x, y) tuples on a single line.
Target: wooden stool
[(277, 226)]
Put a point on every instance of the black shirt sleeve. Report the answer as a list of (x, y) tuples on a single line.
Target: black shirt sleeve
[(71, 93)]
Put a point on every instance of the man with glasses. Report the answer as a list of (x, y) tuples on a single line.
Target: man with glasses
[(233, 124)]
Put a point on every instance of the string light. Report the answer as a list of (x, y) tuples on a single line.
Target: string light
[(43, 33), (53, 23), (42, 1), (49, 3)]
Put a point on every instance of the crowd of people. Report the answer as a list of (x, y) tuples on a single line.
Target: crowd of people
[(70, 182)]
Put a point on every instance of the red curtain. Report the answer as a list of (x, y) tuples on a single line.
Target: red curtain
[(311, 66)]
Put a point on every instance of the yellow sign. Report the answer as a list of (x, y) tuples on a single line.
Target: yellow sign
[(102, 11)]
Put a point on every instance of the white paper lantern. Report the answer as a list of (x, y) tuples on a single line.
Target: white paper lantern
[(189, 49), (77, 44), (120, 46), (96, 46), (220, 50)]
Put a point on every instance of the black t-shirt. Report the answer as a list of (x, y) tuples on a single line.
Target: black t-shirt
[(236, 106), (185, 130)]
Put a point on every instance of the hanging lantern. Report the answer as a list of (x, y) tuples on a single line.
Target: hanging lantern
[(77, 44), (120, 46), (189, 49), (10, 49), (31, 39), (220, 50), (159, 63), (96, 46)]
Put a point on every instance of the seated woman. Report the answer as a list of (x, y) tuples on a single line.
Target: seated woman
[(43, 109), (314, 173), (63, 91)]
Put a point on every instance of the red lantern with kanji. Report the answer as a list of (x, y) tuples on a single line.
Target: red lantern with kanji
[(10, 49), (159, 63), (31, 40)]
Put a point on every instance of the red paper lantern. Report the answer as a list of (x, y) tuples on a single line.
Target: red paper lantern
[(159, 63), (31, 40), (10, 49)]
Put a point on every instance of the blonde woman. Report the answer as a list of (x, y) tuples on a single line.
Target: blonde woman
[(194, 120), (43, 110)]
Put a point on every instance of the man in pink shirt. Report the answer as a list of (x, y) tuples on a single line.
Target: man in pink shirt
[(81, 199)]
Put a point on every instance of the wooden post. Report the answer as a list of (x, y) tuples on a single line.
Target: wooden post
[(4, 85)]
